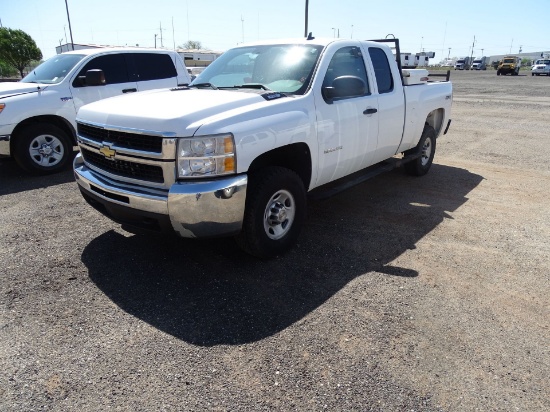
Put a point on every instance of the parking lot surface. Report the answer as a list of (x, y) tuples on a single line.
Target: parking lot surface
[(403, 293)]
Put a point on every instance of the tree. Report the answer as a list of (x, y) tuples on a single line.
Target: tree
[(6, 70), (191, 45), (17, 48)]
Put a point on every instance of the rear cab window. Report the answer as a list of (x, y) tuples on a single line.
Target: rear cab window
[(152, 66), (382, 70)]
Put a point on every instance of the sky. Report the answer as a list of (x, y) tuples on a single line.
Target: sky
[(446, 28)]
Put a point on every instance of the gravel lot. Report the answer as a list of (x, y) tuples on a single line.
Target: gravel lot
[(403, 294)]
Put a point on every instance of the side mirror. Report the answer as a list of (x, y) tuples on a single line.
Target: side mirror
[(345, 86), (95, 77)]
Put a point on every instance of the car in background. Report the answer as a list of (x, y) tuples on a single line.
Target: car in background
[(541, 67)]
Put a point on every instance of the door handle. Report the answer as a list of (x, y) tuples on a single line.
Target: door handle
[(370, 111), (129, 90)]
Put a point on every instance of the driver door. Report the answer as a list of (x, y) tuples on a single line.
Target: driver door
[(347, 126)]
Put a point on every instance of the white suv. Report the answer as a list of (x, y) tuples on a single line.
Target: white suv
[(541, 67), (37, 114)]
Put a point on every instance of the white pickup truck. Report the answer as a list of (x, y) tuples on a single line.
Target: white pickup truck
[(37, 114), (236, 152)]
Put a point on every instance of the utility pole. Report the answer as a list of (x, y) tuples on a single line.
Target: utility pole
[(449, 53), (173, 35), (242, 26), (472, 53), (161, 42), (69, 19), (156, 40)]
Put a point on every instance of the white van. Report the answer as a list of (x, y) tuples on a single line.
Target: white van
[(37, 114)]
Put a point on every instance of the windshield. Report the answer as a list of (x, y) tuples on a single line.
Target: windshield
[(460, 61), (53, 70), (283, 68), (508, 61)]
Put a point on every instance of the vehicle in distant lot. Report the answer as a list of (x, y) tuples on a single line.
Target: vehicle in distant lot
[(509, 65), (37, 114), (236, 152), (463, 63), (541, 67), (480, 63)]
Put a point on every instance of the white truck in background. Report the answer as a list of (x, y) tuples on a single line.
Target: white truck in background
[(480, 63), (37, 114), (236, 152)]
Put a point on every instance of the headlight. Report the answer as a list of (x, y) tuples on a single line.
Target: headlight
[(206, 156)]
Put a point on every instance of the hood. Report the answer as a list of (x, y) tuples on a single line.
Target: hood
[(181, 111), (8, 89)]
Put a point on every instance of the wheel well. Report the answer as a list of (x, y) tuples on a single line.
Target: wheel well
[(435, 119), (296, 157), (58, 121)]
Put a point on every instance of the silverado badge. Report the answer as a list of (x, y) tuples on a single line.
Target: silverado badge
[(107, 152)]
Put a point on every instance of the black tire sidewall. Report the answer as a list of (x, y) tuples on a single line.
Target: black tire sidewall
[(263, 185), (416, 167), (23, 140)]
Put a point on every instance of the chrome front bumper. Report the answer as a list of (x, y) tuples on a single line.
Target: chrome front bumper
[(190, 209)]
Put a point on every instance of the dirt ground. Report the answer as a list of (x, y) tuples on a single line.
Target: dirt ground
[(404, 294)]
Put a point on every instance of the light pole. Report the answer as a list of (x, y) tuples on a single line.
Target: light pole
[(449, 53), (334, 32), (306, 17)]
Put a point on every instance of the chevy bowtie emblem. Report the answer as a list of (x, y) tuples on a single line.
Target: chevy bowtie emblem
[(107, 152)]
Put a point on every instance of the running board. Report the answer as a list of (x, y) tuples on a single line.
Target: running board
[(333, 188)]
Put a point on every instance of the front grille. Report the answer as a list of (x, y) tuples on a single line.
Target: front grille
[(122, 139), (124, 168)]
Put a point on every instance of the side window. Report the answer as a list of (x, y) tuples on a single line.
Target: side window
[(382, 71), (154, 66), (348, 61), (113, 66)]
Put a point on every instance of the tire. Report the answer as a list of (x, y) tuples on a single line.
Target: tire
[(274, 214), (42, 148), (426, 145), (498, 72)]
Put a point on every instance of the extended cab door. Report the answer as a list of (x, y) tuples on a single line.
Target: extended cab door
[(117, 80), (347, 124), (388, 91)]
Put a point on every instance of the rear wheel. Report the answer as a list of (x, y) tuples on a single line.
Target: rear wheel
[(275, 211), (42, 148), (426, 146)]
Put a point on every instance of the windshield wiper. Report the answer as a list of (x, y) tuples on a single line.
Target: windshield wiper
[(250, 86), (204, 85)]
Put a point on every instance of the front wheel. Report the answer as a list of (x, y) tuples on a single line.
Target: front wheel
[(42, 148), (274, 214), (426, 146)]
